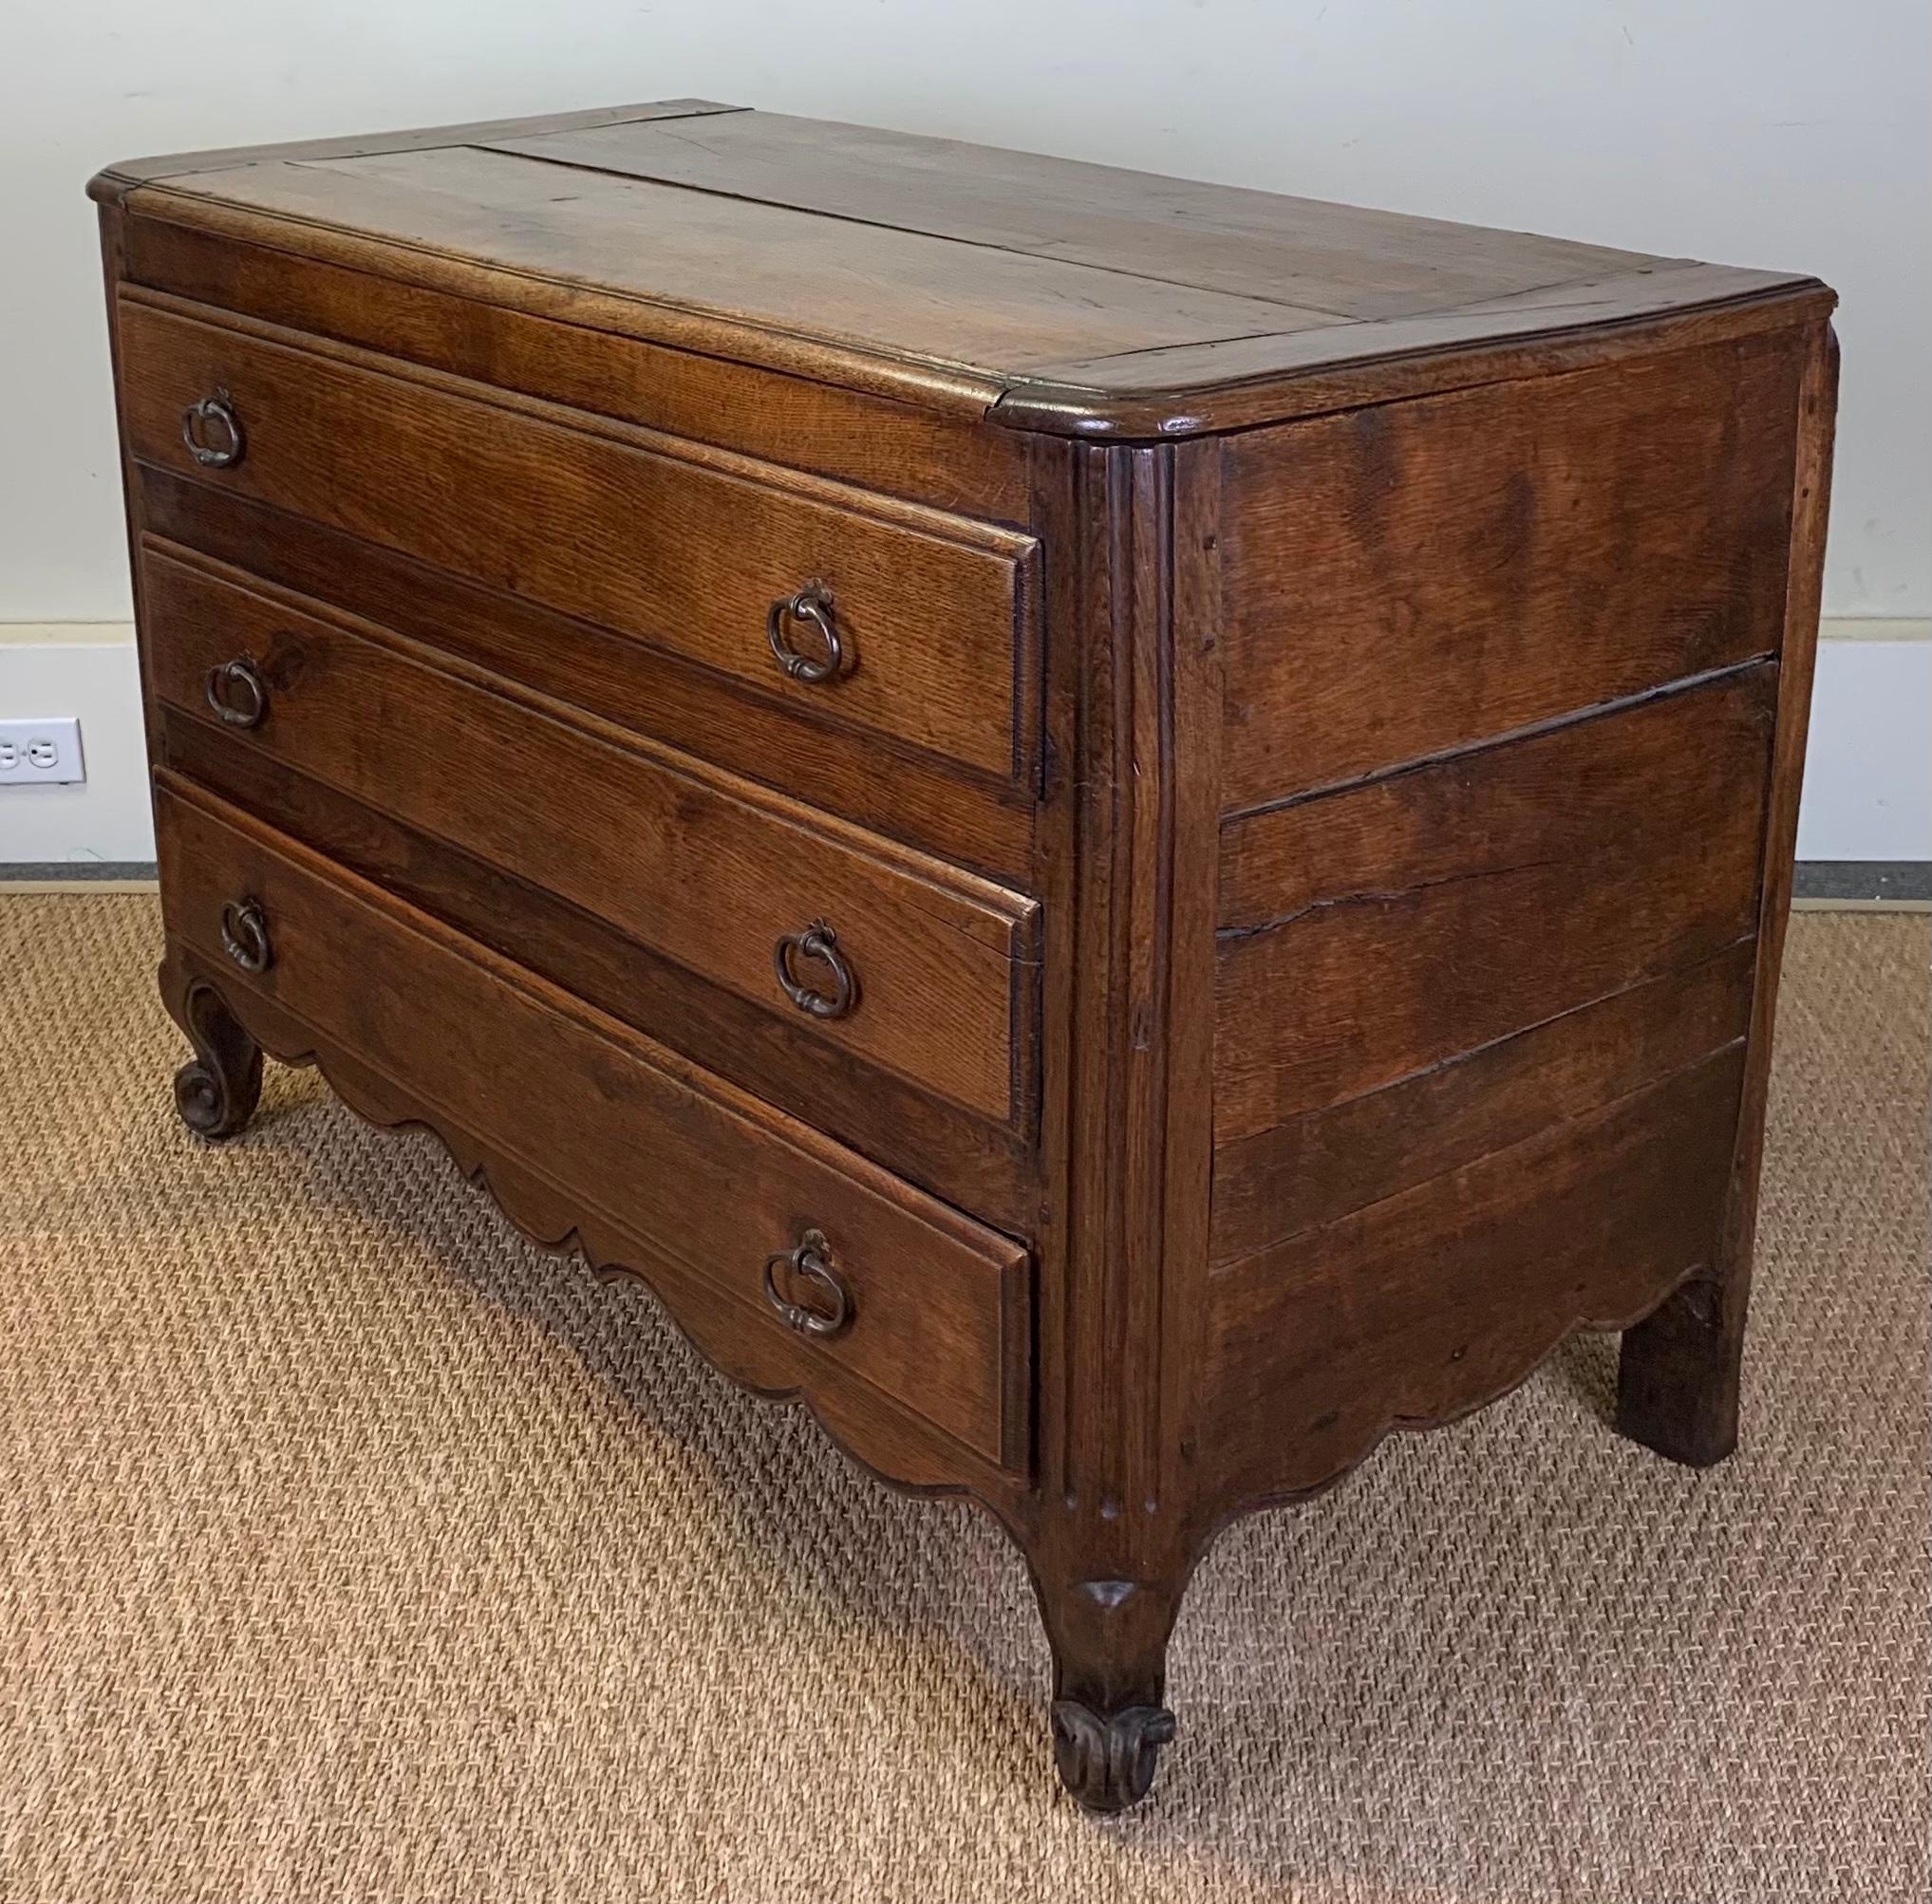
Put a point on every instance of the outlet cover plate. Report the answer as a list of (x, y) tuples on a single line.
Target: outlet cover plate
[(41, 752)]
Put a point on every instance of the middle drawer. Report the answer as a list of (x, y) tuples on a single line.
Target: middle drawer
[(914, 965)]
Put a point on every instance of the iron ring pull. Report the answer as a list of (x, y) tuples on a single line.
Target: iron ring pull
[(237, 693), (811, 1259), (812, 605), (820, 944), (245, 934), (204, 426)]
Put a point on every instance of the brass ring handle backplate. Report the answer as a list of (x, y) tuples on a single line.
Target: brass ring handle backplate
[(817, 944), (812, 606), (237, 693), (213, 432), (811, 1259), (245, 934)]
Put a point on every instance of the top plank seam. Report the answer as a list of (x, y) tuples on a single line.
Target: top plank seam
[(522, 149)]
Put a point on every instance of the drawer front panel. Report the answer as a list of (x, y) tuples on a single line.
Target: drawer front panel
[(683, 548), (993, 1170), (704, 869), (937, 1306)]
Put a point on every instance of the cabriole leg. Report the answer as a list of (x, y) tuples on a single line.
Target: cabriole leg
[(217, 1089)]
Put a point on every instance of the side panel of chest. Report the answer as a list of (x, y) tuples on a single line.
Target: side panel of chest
[(1502, 690)]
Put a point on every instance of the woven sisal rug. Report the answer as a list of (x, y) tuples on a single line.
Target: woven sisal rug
[(351, 1549)]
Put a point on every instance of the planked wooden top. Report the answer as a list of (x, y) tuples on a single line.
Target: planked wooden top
[(1056, 296)]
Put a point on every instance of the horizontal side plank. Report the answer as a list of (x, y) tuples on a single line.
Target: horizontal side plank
[(1418, 576), (1367, 934), (1318, 1167), (1431, 1302), (882, 445), (715, 1178)]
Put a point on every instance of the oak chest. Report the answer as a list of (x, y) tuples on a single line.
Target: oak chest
[(1124, 834)]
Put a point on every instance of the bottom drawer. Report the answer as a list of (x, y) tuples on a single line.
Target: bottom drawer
[(895, 1290)]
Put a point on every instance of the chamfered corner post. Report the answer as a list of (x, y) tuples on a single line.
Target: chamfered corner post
[(1135, 700), (1680, 1374)]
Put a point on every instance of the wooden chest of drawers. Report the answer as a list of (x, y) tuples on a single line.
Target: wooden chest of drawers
[(1122, 832)]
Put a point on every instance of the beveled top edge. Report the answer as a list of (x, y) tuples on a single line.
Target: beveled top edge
[(1356, 366)]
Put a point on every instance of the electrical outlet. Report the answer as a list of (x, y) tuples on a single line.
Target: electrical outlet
[(41, 752)]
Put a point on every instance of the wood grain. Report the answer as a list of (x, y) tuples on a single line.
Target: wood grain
[(699, 869), (1058, 297), (683, 550), (1421, 576), (1127, 1130), (112, 183), (900, 294), (1246, 384), (1320, 1167), (1343, 260), (960, 1157), (1318, 764), (627, 1129), (1431, 1302), (1370, 934)]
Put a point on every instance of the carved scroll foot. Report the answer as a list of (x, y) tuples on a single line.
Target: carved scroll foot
[(1109, 1633), (1678, 1375), (217, 1089), (1107, 1759)]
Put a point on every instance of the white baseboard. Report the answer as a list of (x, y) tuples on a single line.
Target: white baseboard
[(1875, 629), (1868, 783)]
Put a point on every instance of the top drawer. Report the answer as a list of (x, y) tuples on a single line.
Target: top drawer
[(687, 549)]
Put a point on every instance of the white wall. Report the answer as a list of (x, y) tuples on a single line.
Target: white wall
[(1762, 132)]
